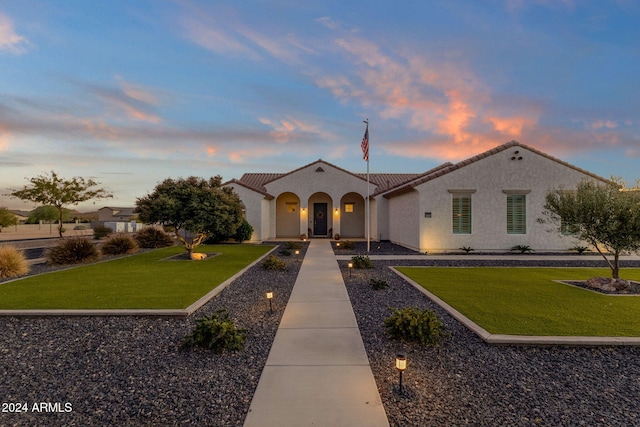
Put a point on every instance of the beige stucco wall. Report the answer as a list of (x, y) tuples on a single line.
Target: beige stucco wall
[(404, 224), (352, 224), (488, 179), (312, 185), (254, 211)]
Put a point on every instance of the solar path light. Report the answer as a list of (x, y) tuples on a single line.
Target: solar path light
[(270, 298), (401, 365)]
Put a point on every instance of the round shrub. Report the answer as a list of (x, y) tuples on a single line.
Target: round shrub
[(12, 262), (415, 325), (360, 261), (119, 244), (73, 251), (101, 232), (216, 332), (151, 237), (274, 263), (243, 232)]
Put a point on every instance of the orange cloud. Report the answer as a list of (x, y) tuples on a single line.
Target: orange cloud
[(511, 126), (10, 41)]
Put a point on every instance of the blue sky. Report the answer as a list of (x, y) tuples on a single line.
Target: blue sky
[(130, 93)]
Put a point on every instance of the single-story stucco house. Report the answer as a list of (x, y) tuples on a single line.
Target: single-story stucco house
[(491, 202), (116, 214)]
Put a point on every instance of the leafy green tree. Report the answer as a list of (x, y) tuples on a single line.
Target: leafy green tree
[(605, 215), (196, 208), (7, 218), (47, 214), (59, 192)]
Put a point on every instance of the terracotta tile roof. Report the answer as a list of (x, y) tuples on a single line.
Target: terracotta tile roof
[(443, 171), (248, 184)]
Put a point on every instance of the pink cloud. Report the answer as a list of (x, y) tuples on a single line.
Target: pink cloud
[(10, 41), (289, 128), (511, 126)]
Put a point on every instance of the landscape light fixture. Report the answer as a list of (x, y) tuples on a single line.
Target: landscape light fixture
[(270, 298), (401, 365), (338, 244), (350, 265), (297, 254)]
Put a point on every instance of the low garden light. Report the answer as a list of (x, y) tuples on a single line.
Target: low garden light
[(270, 298), (297, 254), (338, 245), (401, 365), (350, 265)]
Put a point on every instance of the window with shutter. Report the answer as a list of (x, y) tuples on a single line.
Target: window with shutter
[(461, 211), (516, 214)]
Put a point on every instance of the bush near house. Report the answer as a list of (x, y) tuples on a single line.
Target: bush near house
[(101, 232), (347, 244), (216, 332), (119, 244), (73, 251), (523, 249), (152, 238), (244, 232), (378, 284), (414, 325), (274, 263), (360, 261), (12, 262)]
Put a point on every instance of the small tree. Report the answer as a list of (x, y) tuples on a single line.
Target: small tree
[(605, 215), (7, 218), (59, 192), (48, 214), (194, 205)]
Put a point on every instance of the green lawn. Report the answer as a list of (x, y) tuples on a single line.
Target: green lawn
[(143, 281), (526, 301)]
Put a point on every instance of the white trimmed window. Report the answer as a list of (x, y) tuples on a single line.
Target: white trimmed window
[(516, 214), (461, 211)]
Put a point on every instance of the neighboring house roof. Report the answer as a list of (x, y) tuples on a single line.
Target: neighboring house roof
[(120, 211), (443, 171)]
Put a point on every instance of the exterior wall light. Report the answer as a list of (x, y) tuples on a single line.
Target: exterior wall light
[(401, 365)]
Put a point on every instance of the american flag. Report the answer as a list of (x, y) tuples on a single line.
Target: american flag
[(365, 144)]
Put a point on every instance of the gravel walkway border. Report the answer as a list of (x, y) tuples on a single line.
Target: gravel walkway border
[(465, 381), (128, 371)]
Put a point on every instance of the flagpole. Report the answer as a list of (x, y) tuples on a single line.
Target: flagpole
[(368, 219)]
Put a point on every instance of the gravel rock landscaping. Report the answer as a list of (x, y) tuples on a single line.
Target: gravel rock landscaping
[(467, 382), (128, 371)]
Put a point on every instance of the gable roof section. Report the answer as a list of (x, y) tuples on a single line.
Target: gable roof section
[(246, 184), (257, 181), (445, 170)]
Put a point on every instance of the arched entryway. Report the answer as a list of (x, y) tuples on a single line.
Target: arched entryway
[(288, 215), (320, 215), (352, 215)]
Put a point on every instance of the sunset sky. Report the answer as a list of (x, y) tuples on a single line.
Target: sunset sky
[(132, 92)]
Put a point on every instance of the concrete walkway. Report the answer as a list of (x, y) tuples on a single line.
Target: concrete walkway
[(317, 373)]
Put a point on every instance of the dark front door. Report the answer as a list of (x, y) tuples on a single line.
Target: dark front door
[(319, 219)]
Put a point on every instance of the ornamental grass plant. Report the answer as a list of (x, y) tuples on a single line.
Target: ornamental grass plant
[(12, 262)]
